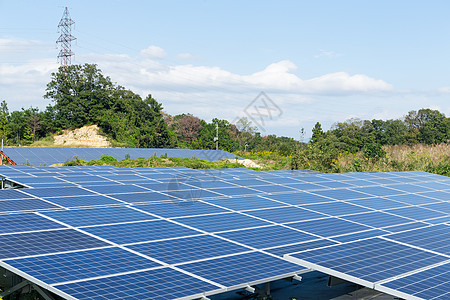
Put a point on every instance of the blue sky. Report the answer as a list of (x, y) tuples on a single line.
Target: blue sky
[(323, 61)]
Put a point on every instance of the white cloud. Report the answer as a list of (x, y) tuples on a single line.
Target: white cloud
[(444, 90), (154, 52), (188, 56), (324, 53)]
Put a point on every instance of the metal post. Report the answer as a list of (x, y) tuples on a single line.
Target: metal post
[(216, 139)]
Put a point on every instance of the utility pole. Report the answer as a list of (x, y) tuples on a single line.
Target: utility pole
[(65, 39), (216, 139)]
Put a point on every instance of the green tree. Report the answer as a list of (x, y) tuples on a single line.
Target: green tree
[(317, 133), (80, 95), (5, 129)]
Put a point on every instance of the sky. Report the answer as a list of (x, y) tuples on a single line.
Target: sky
[(284, 65)]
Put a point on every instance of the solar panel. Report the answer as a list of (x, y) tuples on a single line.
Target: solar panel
[(428, 284), (165, 283), (203, 226), (89, 263), (140, 232), (368, 261), (186, 249), (42, 242), (230, 270), (258, 237)]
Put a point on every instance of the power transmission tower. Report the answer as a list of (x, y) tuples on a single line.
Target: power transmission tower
[(65, 39)]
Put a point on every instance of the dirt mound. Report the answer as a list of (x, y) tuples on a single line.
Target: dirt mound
[(86, 136)]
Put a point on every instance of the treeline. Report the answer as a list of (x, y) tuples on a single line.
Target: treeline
[(425, 126), (82, 95)]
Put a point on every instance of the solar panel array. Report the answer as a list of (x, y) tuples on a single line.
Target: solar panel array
[(46, 156), (158, 233)]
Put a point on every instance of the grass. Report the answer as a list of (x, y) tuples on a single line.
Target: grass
[(433, 159)]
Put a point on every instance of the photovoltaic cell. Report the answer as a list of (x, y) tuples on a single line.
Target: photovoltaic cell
[(336, 208), (299, 198), (143, 197), (58, 192), (428, 284), (377, 219), (435, 238), (416, 213), (79, 201), (25, 222), (33, 243), (90, 263), (180, 209), (245, 203), (371, 260), (285, 214), (242, 268), (140, 232), (280, 251), (222, 222), (98, 216), (158, 284), (24, 205), (329, 227), (412, 199), (265, 237), (188, 249)]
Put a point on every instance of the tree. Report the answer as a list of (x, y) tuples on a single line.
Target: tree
[(317, 133), (4, 120), (80, 95)]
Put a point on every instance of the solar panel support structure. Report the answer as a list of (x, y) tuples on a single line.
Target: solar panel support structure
[(65, 39)]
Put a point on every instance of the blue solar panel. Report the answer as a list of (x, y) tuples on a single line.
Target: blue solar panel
[(412, 199), (428, 284), (378, 203), (416, 213), (245, 203), (337, 208), (143, 197), (299, 198), (58, 192), (24, 205), (242, 268), (281, 251), (140, 232), (12, 194), (180, 209), (258, 237), (435, 238), (341, 194), (378, 191), (25, 244), (117, 189), (285, 214), (329, 227), (179, 196), (371, 260), (377, 219), (48, 155), (80, 201), (441, 206), (359, 235), (25, 222), (222, 222), (409, 188), (188, 249), (158, 284), (98, 216), (89, 263)]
